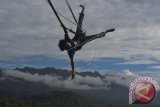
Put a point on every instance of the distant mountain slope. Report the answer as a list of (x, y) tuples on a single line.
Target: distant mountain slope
[(51, 87)]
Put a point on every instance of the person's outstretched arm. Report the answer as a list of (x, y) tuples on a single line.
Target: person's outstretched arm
[(72, 65)]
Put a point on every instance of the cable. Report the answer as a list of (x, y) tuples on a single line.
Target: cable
[(69, 20), (71, 10), (66, 18)]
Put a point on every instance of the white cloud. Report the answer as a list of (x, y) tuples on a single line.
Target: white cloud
[(57, 81), (123, 78), (80, 82), (143, 61), (29, 28), (127, 72), (155, 67)]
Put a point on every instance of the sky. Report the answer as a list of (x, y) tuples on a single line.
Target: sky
[(29, 35)]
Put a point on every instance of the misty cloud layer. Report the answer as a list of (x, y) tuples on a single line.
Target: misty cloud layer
[(80, 82)]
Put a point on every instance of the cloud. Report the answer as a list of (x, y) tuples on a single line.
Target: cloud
[(127, 72), (155, 67), (142, 61), (150, 73), (80, 82), (29, 28), (57, 81), (123, 78)]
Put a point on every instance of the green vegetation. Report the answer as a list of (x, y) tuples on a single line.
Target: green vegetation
[(64, 99)]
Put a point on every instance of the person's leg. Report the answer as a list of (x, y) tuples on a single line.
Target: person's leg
[(79, 31), (110, 30), (92, 37), (81, 16)]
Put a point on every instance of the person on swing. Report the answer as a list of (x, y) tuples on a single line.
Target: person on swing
[(77, 42)]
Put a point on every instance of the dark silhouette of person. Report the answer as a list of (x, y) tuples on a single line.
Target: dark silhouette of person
[(77, 42)]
